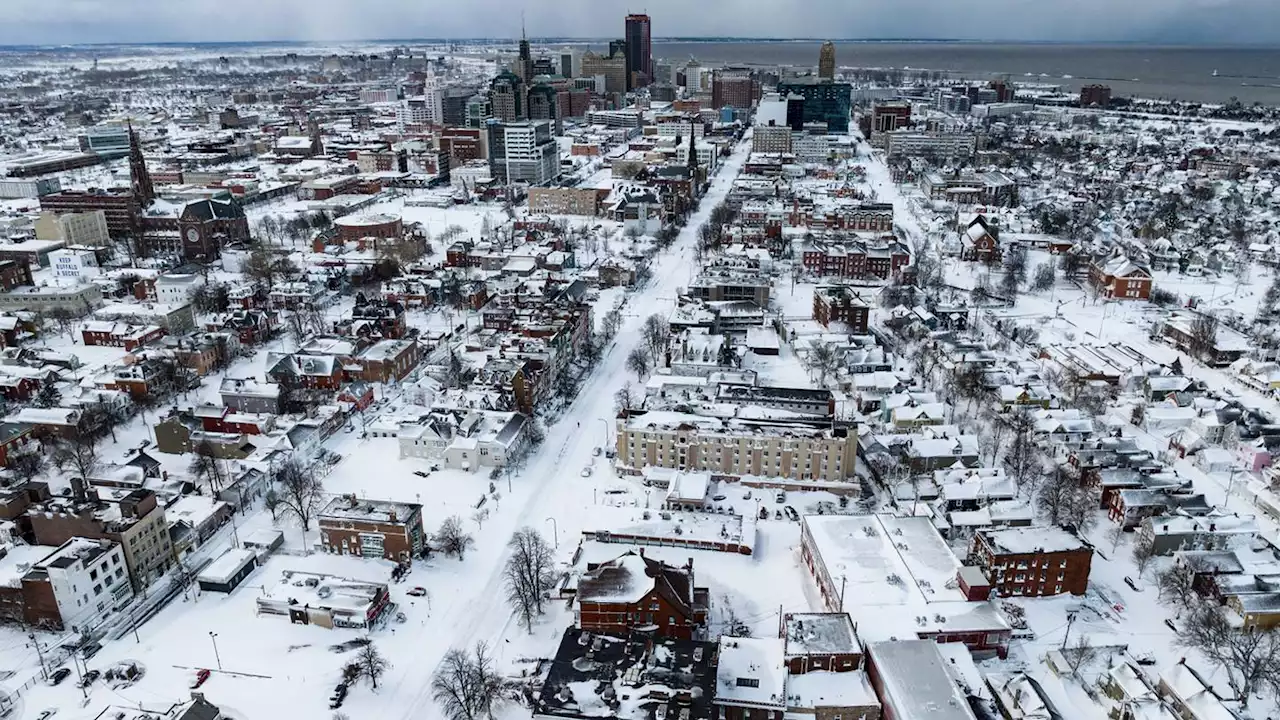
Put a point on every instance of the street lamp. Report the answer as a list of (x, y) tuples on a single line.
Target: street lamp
[(213, 637), (555, 529), (606, 430)]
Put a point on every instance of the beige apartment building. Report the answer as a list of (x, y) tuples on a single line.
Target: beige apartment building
[(737, 447), (84, 228), (564, 201)]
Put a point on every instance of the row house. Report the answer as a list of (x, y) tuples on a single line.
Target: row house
[(251, 326), (844, 216), (119, 334), (879, 259)]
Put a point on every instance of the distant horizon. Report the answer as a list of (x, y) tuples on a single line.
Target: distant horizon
[(551, 39)]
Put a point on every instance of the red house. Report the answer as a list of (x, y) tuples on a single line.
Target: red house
[(632, 592)]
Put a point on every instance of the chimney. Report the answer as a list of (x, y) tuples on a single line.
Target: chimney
[(392, 515)]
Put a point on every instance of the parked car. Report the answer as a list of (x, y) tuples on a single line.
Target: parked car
[(419, 473), (88, 678), (1133, 585), (791, 513), (59, 675), (586, 471), (417, 591), (717, 498), (781, 496), (201, 676), (595, 452), (46, 713)]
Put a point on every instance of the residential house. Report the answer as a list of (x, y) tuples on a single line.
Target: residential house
[(633, 592)]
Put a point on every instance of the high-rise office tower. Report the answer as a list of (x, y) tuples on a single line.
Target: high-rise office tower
[(639, 51), (827, 61), (524, 67)]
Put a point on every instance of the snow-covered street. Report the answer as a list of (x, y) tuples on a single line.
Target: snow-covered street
[(478, 610)]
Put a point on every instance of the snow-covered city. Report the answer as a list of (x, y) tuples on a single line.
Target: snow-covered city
[(568, 380)]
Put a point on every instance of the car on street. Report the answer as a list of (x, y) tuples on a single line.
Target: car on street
[(59, 675), (201, 676), (417, 592)]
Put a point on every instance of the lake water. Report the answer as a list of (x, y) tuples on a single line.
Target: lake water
[(1184, 73)]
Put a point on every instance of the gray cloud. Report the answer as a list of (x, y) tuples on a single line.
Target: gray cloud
[(1197, 21)]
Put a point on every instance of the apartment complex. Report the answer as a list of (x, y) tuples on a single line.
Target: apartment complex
[(1032, 561), (727, 446)]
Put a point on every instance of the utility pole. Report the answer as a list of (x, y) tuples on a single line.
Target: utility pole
[(843, 580), (213, 636), (39, 654), (1071, 618)]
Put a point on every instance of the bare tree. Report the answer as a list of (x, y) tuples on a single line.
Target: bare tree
[(1024, 459), (205, 466), (78, 454), (27, 465), (1080, 654), (272, 503), (452, 538), (466, 685), (656, 335), (300, 492), (1251, 656), (822, 361), (1067, 502), (1177, 582), (1204, 336), (638, 362), (529, 574), (624, 399), (1144, 551), (371, 663), (1044, 277)]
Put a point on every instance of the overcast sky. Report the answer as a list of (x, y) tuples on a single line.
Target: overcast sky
[(1195, 21)]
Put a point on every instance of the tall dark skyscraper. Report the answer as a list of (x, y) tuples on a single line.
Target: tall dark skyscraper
[(524, 68), (827, 61), (639, 51), (139, 177)]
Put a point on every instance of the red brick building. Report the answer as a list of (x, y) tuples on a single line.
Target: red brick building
[(843, 305), (632, 592), (122, 208), (371, 528), (856, 260), (1119, 278), (119, 334), (1032, 561), (14, 274)]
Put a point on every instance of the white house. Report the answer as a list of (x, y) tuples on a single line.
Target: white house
[(176, 289), (465, 441)]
